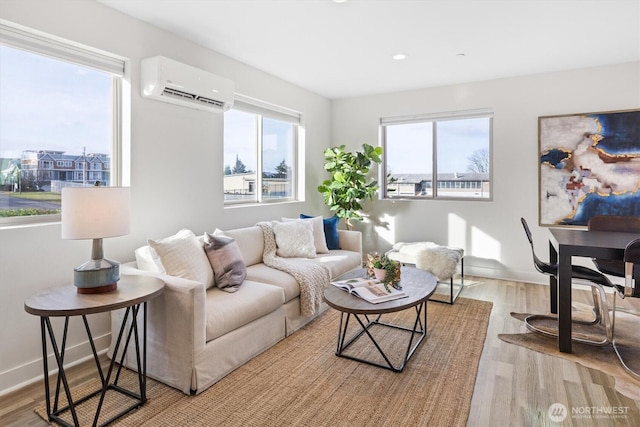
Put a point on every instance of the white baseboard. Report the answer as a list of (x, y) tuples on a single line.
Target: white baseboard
[(31, 372), (505, 274)]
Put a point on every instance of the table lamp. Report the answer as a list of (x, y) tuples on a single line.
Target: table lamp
[(94, 213)]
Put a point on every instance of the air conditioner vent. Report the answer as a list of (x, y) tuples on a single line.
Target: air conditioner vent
[(184, 95), (177, 93), (210, 101), (161, 75)]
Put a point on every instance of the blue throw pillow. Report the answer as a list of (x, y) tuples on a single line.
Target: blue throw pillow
[(330, 230)]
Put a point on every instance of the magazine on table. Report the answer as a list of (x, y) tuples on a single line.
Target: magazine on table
[(371, 290)]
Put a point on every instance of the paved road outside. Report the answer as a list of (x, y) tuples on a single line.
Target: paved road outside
[(8, 202)]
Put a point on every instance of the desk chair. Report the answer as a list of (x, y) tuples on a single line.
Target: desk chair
[(590, 277), (613, 223), (631, 290)]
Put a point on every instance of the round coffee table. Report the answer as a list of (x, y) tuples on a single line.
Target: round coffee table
[(418, 284)]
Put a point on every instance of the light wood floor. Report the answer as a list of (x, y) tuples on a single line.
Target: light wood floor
[(514, 387)]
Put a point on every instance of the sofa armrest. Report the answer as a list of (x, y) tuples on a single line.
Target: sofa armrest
[(350, 240), (175, 326), (183, 301)]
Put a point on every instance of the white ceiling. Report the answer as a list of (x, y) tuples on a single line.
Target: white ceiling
[(344, 50)]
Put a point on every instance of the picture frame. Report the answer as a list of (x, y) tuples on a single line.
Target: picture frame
[(589, 164)]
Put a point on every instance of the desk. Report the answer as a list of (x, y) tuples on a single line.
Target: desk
[(565, 243), (132, 292)]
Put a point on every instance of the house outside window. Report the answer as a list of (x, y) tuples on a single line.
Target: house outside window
[(60, 111), (260, 152), (437, 156)]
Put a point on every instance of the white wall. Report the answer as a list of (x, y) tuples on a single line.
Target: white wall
[(164, 138), (489, 231)]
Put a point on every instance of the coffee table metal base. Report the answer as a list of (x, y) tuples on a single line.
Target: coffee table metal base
[(419, 330)]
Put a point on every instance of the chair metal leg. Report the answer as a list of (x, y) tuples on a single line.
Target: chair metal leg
[(601, 313), (596, 307), (615, 346), (624, 365)]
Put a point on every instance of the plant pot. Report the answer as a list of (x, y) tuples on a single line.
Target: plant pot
[(380, 273)]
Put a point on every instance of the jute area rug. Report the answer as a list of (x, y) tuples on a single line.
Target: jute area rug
[(301, 382), (602, 358)]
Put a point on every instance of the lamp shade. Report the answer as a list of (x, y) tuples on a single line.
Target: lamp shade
[(95, 212)]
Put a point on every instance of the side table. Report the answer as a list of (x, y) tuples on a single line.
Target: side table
[(132, 293)]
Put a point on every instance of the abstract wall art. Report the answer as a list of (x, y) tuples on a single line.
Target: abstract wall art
[(589, 165)]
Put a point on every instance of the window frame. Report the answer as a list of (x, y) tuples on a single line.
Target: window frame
[(435, 184), (264, 110), (40, 43)]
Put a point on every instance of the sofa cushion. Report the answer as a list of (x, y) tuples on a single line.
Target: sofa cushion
[(182, 255), (330, 231), (340, 261), (285, 281), (227, 312), (319, 239), (224, 255), (251, 243), (294, 239)]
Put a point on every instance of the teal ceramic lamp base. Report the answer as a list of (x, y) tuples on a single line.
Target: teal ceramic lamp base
[(98, 275)]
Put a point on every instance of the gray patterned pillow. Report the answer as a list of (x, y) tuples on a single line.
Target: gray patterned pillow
[(229, 269)]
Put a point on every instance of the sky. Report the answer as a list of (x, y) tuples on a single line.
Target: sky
[(240, 140), (47, 104), (409, 146)]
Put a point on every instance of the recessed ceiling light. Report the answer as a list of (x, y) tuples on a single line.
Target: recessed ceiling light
[(399, 56), (339, 1)]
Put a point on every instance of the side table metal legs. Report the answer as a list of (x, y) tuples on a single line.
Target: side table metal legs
[(454, 289), (453, 294), (54, 413), (419, 330)]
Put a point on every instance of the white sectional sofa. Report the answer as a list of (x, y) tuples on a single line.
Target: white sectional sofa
[(199, 334)]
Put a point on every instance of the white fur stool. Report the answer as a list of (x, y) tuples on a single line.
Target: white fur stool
[(441, 261)]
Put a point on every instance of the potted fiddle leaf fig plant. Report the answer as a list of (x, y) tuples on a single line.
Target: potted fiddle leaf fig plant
[(350, 183)]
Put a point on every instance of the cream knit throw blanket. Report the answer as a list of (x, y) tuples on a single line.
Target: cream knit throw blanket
[(312, 277)]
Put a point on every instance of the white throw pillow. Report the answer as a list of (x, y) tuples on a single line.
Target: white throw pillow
[(182, 255), (294, 239), (319, 240), (147, 259)]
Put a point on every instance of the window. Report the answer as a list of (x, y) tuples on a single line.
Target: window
[(260, 152), (59, 110), (437, 156)]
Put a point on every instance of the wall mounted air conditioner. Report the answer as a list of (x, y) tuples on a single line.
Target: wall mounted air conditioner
[(171, 81)]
